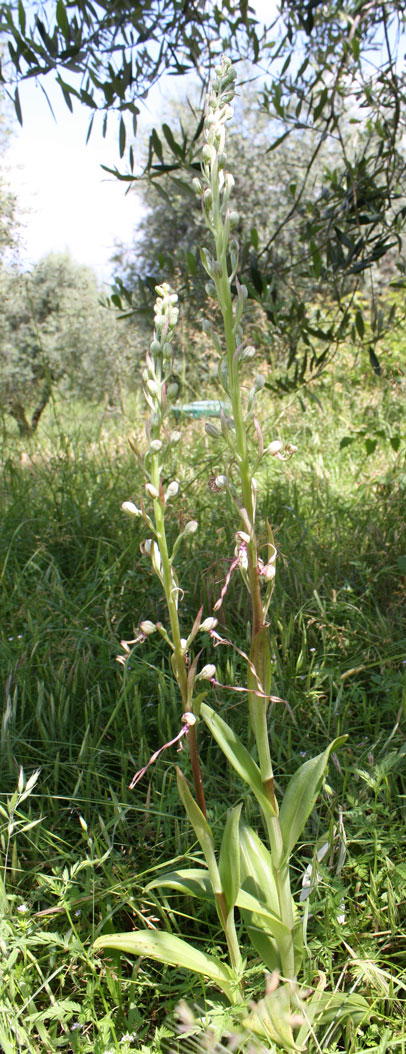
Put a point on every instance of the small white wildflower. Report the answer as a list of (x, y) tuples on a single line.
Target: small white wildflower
[(172, 490), (131, 509), (208, 624), (191, 527), (189, 719), (22, 909), (274, 448), (152, 491), (147, 627), (221, 482), (207, 672)]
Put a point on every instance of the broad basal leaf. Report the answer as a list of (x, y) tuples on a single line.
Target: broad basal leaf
[(171, 950), (193, 882)]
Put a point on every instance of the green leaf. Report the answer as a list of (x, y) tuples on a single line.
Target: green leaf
[(346, 441), (257, 875), (301, 795), (370, 445), (191, 263), (192, 882), (172, 950), (61, 18), (17, 107), (229, 859), (395, 442), (21, 16), (401, 563), (121, 137), (316, 258), (360, 324), (236, 753), (201, 829)]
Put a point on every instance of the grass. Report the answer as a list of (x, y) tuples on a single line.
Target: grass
[(78, 849)]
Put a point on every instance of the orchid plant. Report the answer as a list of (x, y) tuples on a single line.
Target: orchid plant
[(249, 873)]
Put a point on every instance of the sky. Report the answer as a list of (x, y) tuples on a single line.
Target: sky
[(66, 201)]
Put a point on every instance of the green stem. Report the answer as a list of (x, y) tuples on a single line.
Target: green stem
[(257, 705), (170, 589)]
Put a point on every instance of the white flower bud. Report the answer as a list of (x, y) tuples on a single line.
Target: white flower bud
[(172, 490), (197, 185), (274, 448), (259, 382), (175, 437), (128, 506), (155, 347), (248, 353), (208, 624), (155, 446), (191, 527), (207, 673), (152, 491), (146, 546), (189, 719), (147, 627), (152, 386), (173, 390), (221, 482), (234, 219)]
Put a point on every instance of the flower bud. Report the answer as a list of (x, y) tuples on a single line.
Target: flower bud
[(234, 219), (221, 482), (155, 446), (197, 185), (128, 506), (189, 719), (210, 289), (211, 430), (208, 624), (191, 527), (155, 347), (147, 627), (173, 390), (207, 673), (259, 382), (175, 437), (172, 490), (152, 491), (274, 448)]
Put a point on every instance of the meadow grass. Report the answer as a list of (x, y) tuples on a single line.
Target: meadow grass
[(80, 848)]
